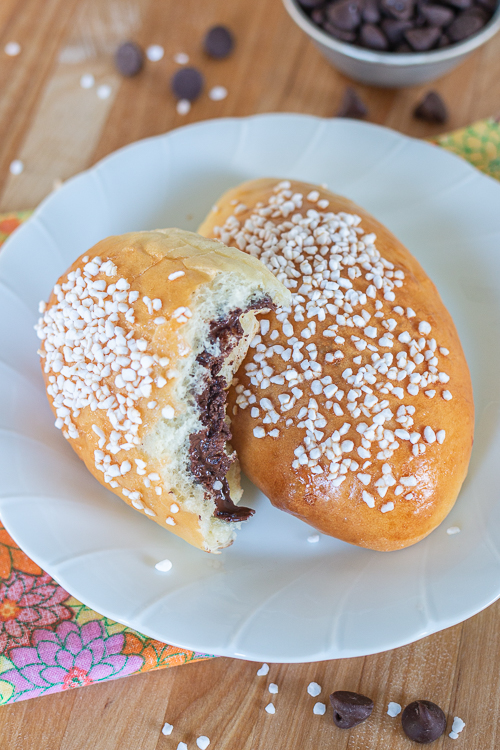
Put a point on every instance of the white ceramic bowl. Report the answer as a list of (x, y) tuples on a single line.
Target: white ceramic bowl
[(390, 69)]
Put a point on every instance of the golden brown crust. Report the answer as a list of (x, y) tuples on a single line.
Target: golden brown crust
[(340, 510), (145, 260)]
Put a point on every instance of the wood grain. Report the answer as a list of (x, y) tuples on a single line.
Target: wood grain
[(57, 128)]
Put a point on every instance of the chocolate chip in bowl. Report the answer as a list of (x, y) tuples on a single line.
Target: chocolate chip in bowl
[(396, 43)]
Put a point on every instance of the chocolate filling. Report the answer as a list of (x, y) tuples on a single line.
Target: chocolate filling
[(209, 461)]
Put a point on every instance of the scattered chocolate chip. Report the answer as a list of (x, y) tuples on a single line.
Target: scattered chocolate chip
[(311, 3), (344, 36), (464, 26), (350, 709), (219, 41), (431, 109), (394, 30), (129, 59), (373, 37), (437, 15), (187, 83), (352, 105), (401, 10), (371, 11), (423, 721), (420, 40), (344, 14)]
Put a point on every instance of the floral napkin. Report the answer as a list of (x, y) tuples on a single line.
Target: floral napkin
[(50, 641)]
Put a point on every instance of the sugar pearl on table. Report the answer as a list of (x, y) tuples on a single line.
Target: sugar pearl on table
[(217, 93), (458, 726), (104, 91), (12, 49), (167, 729), (313, 538), (183, 106), (203, 742), (16, 167), (87, 81), (452, 530), (319, 709), (182, 746), (270, 708), (273, 688), (155, 52), (181, 58), (263, 670), (314, 689), (393, 709)]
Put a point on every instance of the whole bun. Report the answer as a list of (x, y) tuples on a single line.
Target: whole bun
[(353, 408), (140, 340)]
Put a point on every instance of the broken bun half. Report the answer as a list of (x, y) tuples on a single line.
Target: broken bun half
[(140, 340)]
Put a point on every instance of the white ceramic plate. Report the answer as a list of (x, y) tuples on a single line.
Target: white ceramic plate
[(272, 596)]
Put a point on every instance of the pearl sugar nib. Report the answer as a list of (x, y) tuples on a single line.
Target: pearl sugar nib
[(314, 689), (319, 256), (164, 566)]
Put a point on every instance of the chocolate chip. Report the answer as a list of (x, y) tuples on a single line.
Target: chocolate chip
[(402, 10), (488, 5), (373, 37), (318, 16), (394, 30), (187, 83), (420, 40), (423, 721), (403, 48), (437, 15), (311, 3), (344, 14), (443, 41), (371, 11), (350, 709), (219, 42), (460, 4), (465, 26), (129, 59), (344, 36), (352, 106), (431, 109)]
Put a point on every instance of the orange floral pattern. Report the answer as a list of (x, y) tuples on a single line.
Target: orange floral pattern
[(50, 641)]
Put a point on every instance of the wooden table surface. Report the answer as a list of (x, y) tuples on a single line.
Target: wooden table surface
[(58, 128)]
